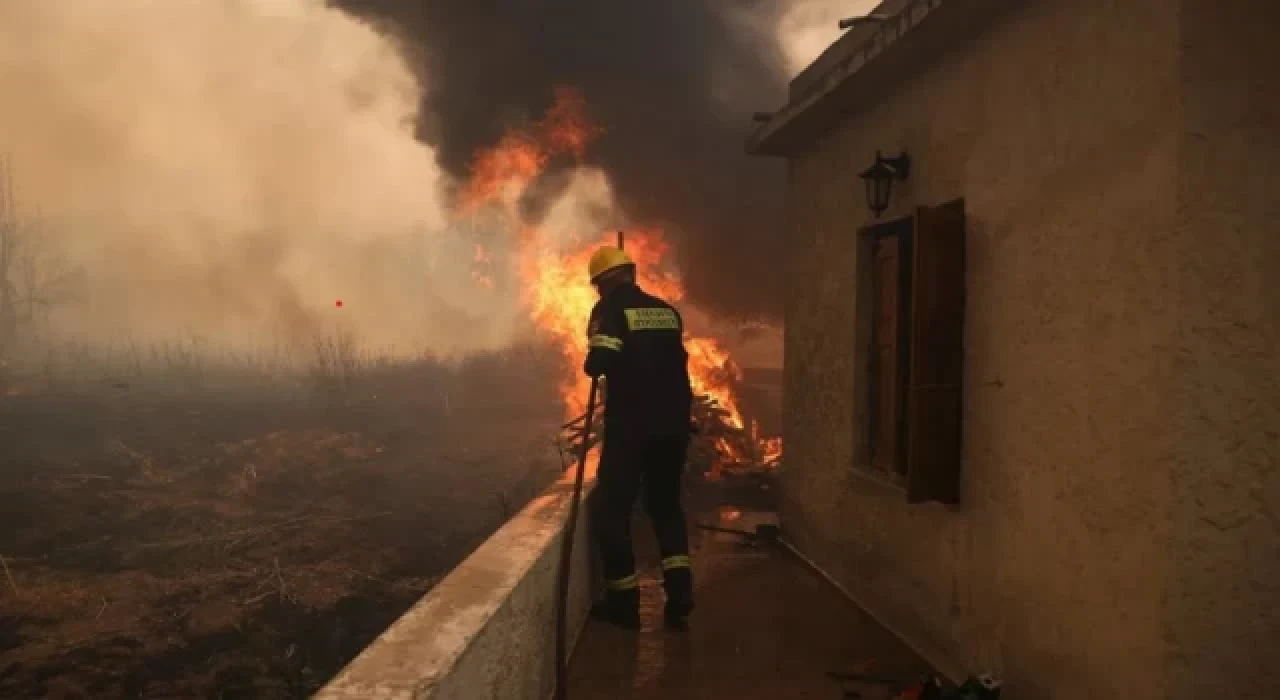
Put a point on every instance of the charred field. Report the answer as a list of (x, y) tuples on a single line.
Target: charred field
[(171, 530)]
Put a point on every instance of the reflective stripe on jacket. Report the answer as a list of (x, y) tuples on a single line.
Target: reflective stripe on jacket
[(636, 341)]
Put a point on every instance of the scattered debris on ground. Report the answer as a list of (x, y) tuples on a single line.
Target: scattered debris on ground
[(865, 684)]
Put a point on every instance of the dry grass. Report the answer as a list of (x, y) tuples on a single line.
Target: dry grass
[(179, 521), (331, 366)]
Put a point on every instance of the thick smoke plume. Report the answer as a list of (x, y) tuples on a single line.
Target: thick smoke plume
[(231, 168), (674, 83)]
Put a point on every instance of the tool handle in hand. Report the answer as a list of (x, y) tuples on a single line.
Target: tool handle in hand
[(566, 548)]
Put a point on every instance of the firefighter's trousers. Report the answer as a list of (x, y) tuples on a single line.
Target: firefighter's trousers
[(654, 466)]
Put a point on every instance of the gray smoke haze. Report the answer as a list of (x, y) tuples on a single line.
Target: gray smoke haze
[(674, 83), (229, 169), (232, 168)]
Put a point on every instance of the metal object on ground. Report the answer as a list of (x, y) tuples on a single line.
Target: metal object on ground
[(766, 532), (928, 688)]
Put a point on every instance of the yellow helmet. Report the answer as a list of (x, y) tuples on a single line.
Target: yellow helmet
[(605, 259)]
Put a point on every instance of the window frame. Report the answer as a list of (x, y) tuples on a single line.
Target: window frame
[(870, 239), (930, 328)]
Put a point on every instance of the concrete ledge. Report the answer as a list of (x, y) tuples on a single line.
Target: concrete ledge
[(488, 629)]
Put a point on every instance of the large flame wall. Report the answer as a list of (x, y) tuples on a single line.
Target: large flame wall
[(550, 266)]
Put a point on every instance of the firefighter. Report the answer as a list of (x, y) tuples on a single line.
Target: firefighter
[(636, 343)]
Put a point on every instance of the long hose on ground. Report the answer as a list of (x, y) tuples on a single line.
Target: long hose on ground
[(566, 551)]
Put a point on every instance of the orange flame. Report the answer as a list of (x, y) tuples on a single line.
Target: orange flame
[(772, 449), (566, 127), (502, 171), (554, 286)]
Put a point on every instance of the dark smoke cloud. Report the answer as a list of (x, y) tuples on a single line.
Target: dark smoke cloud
[(673, 81)]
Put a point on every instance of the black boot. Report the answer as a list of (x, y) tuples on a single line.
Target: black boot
[(619, 608), (678, 583)]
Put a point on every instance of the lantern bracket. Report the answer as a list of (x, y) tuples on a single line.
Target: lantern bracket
[(879, 179)]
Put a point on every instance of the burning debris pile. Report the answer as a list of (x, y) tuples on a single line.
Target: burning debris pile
[(551, 263), (723, 444), (720, 443)]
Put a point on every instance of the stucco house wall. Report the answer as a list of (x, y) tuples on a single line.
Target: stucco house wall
[(1119, 492), (1223, 616)]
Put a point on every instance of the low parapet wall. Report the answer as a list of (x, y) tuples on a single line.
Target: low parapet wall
[(487, 630)]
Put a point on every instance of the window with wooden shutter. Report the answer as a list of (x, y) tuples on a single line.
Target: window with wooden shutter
[(934, 399)]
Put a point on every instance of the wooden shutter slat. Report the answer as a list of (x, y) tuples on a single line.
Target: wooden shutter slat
[(934, 398)]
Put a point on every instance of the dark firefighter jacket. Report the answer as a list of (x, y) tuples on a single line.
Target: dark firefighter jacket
[(636, 342)]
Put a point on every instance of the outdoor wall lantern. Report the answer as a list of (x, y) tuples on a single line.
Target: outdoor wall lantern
[(879, 179)]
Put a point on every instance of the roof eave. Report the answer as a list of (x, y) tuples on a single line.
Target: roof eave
[(882, 59)]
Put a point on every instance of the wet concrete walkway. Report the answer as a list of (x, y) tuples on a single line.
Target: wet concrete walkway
[(766, 626)]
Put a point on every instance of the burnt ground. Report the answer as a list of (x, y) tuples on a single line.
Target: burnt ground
[(225, 546)]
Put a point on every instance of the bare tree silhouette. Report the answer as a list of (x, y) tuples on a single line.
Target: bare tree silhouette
[(34, 277), (8, 257)]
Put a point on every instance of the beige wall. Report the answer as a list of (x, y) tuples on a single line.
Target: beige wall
[(1121, 407), (1224, 594)]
